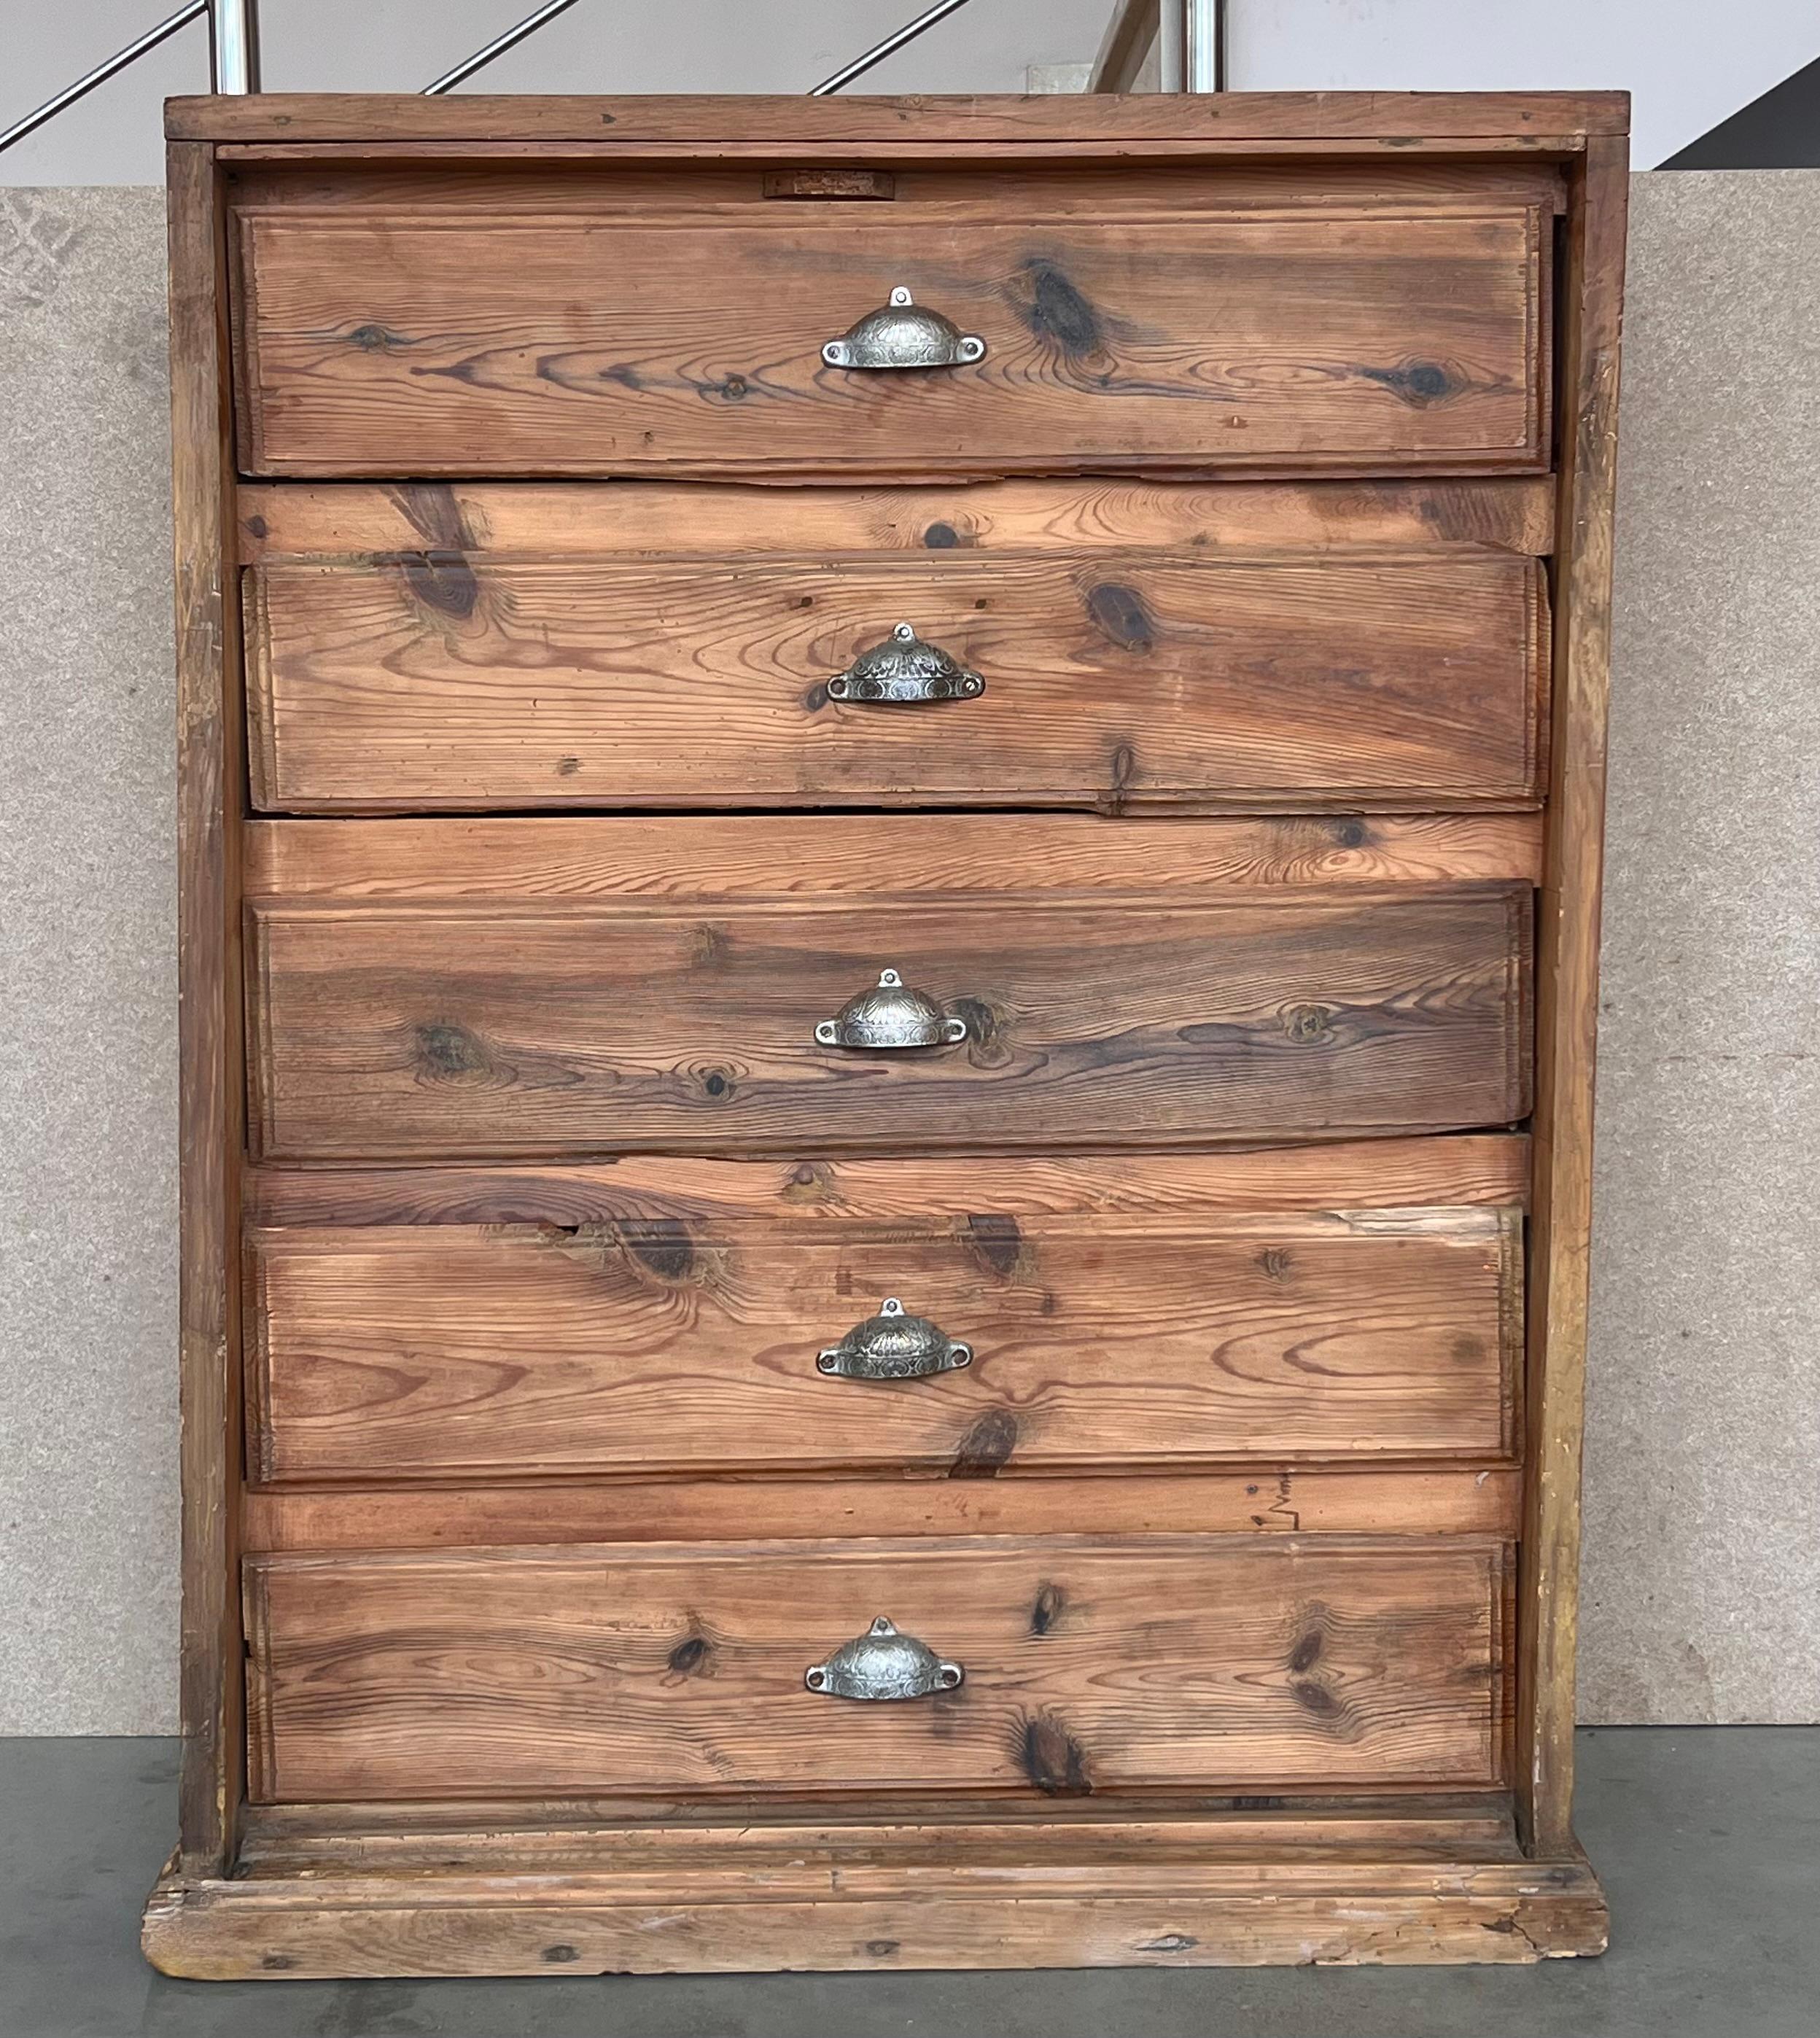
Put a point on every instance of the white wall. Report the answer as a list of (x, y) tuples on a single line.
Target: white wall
[(1689, 63), (1686, 63)]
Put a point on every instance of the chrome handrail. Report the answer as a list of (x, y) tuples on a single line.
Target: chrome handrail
[(1192, 56), (529, 26), (879, 51), (233, 46), (102, 72), (1188, 36)]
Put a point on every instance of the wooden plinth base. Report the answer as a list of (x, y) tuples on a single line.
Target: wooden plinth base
[(712, 1901)]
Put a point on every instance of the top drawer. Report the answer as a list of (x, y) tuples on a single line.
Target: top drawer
[(1326, 337)]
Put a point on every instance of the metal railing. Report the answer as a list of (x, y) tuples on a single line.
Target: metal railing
[(1188, 37), (1185, 38)]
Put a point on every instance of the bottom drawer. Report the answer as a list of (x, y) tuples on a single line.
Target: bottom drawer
[(1089, 1664)]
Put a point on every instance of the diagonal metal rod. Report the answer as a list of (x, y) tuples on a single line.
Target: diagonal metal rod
[(102, 72), (529, 26), (879, 51)]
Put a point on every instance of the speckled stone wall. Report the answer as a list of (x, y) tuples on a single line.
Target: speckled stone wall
[(1702, 1598), (87, 1003), (1702, 1578)]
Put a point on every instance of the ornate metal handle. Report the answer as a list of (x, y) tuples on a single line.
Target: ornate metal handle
[(882, 1664), (892, 1345), (905, 667), (903, 335), (891, 1015)]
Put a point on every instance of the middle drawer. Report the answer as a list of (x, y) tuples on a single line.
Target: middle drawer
[(1105, 990)]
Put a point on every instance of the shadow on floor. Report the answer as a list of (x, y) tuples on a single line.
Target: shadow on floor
[(1708, 1840)]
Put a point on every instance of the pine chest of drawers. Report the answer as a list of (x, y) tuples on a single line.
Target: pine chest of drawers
[(890, 860)]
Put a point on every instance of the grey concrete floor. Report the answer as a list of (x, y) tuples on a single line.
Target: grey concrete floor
[(1707, 1839)]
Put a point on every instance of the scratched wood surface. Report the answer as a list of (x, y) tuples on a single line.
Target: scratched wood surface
[(692, 124), (434, 681), (1569, 921), (1000, 855), (882, 1196), (313, 1928), (444, 1350), (547, 1188), (1090, 1664), (443, 343), (1406, 1498), (496, 1031), (556, 519), (211, 1120)]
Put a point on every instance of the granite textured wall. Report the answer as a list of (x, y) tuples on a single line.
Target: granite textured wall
[(1702, 1577), (88, 1006), (1703, 1506)]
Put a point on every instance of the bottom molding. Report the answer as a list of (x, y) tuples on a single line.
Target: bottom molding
[(813, 1914)]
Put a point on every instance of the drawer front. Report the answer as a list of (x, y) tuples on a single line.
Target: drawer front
[(397, 1352), (1089, 1665), (503, 1030), (1108, 677), (1329, 336)]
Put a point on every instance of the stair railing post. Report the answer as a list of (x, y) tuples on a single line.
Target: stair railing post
[(234, 45)]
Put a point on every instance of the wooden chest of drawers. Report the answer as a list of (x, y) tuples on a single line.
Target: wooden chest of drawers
[(889, 923)]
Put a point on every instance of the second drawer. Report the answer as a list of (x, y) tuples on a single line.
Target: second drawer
[(394, 1351)]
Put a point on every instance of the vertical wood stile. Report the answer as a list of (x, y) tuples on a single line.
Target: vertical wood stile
[(1567, 994), (210, 803)]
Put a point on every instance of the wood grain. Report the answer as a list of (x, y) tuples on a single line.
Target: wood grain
[(856, 1193), (1374, 1916), (434, 682), (440, 343), (598, 180), (440, 1031), (978, 1839), (573, 1049), (445, 1350), (212, 1077), (1569, 993), (1092, 1664), (1406, 1499), (880, 124), (1000, 855), (493, 520)]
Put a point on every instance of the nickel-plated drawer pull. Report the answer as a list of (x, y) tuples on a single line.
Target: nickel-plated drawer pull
[(891, 1015), (905, 668), (882, 1664), (892, 1346), (902, 334)]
